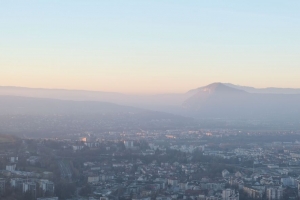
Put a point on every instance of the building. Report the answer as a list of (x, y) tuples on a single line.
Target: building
[(298, 189), (33, 160), (47, 186), (92, 144), (273, 166), (17, 183), (274, 193), (93, 179), (238, 174), (227, 193), (225, 173), (215, 186), (237, 182), (82, 139), (172, 181), (287, 181), (2, 185), (255, 193), (10, 167), (212, 198), (128, 144), (48, 198), (29, 187), (77, 147), (142, 198), (230, 194), (13, 159)]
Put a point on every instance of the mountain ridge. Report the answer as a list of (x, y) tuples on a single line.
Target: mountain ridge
[(215, 87), (216, 100), (235, 86), (269, 90)]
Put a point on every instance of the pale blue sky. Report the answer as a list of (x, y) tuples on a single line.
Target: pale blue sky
[(143, 46)]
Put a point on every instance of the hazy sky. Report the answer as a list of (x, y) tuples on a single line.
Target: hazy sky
[(149, 46)]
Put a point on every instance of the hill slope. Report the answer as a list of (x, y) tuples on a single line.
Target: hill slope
[(220, 101)]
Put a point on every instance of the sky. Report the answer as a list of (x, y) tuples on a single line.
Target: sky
[(149, 46)]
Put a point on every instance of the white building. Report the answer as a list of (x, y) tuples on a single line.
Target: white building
[(225, 173), (47, 186), (172, 181), (128, 144), (92, 144), (77, 147), (10, 167), (93, 179), (273, 166), (230, 194)]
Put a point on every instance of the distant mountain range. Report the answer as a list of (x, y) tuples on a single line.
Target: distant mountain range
[(45, 106), (269, 90), (217, 100)]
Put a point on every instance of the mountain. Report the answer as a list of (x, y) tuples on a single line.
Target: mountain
[(208, 93), (42, 106), (215, 87), (15, 105), (218, 100), (269, 90), (165, 102)]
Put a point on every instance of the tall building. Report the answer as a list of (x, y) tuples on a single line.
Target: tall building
[(2, 185), (274, 193), (47, 186), (229, 194), (253, 192), (10, 167), (30, 187), (17, 183), (298, 189)]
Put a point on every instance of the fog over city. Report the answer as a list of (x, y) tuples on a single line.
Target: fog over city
[(149, 100)]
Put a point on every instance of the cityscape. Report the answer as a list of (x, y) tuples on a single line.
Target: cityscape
[(148, 164), (149, 100)]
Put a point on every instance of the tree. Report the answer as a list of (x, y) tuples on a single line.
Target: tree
[(64, 190), (86, 190)]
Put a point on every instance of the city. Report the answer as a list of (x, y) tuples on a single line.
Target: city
[(142, 165)]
